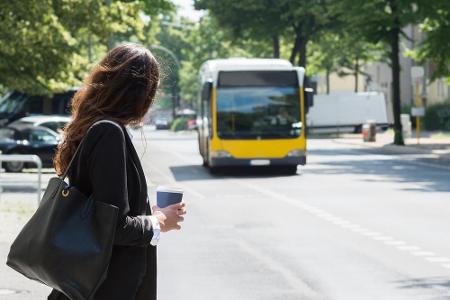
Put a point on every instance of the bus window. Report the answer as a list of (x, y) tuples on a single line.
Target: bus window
[(206, 91), (263, 112), (258, 105), (206, 105)]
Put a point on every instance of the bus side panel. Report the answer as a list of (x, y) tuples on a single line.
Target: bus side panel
[(303, 117)]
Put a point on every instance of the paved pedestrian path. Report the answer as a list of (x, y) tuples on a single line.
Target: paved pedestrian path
[(434, 147)]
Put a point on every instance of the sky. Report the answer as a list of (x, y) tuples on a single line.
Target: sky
[(186, 9)]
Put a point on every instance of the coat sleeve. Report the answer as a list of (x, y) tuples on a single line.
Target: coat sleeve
[(108, 175)]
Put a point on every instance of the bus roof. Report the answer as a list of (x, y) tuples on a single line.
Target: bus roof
[(238, 64), (210, 69)]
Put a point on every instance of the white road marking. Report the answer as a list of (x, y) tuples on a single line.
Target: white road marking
[(383, 238), (408, 248), (423, 253), (371, 233), (438, 259), (394, 243), (329, 217), (345, 224)]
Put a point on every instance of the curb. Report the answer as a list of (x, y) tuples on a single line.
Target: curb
[(397, 150)]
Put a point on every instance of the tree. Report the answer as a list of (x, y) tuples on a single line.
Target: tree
[(436, 44), (206, 41), (307, 20), (249, 19), (382, 21), (44, 44), (355, 53), (325, 55), (297, 21)]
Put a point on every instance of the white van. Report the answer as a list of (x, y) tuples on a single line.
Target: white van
[(347, 112)]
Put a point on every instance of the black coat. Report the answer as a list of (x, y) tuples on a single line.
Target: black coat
[(108, 167)]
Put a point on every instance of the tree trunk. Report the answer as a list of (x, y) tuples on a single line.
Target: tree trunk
[(394, 41), (302, 52), (276, 45), (294, 50), (296, 46), (327, 79), (356, 73)]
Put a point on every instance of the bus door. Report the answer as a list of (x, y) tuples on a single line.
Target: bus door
[(206, 123)]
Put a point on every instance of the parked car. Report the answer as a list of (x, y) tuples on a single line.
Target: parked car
[(16, 105), (162, 123), (28, 139), (55, 123)]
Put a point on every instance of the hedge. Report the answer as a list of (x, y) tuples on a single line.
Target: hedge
[(437, 117), (179, 124)]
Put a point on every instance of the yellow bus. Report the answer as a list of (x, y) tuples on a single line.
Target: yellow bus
[(251, 112)]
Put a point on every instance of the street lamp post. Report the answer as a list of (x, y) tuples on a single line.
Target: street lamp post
[(175, 95)]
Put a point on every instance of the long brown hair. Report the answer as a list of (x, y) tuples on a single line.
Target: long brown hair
[(121, 87)]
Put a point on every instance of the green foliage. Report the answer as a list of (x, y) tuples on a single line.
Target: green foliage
[(437, 117), (375, 21), (179, 124), (325, 54), (436, 43), (47, 46), (382, 22), (247, 19), (34, 45), (193, 44), (295, 22)]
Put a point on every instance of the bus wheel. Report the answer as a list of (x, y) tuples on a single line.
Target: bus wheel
[(205, 163), (289, 170), (214, 170)]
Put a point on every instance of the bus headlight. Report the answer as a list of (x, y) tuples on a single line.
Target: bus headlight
[(220, 154), (296, 153)]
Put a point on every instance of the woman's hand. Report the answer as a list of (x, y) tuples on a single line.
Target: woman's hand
[(169, 217)]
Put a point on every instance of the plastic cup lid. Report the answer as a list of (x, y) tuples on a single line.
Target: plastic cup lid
[(169, 189)]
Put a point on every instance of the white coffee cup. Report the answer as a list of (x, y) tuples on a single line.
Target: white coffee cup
[(168, 195)]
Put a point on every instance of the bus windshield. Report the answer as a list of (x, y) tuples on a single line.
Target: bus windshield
[(258, 112)]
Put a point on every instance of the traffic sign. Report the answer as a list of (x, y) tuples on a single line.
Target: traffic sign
[(417, 72), (418, 111)]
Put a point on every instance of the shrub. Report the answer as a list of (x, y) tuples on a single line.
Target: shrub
[(179, 124), (437, 117)]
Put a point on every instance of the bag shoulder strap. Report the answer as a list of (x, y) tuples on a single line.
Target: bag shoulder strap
[(84, 137)]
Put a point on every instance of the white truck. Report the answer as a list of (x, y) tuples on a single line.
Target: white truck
[(347, 112)]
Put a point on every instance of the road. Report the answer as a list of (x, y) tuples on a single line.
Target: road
[(350, 225)]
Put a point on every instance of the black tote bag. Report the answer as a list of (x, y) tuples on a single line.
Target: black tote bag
[(67, 243)]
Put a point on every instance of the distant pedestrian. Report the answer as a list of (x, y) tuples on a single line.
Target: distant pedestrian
[(118, 92)]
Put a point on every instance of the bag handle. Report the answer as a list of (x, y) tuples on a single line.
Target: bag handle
[(79, 145)]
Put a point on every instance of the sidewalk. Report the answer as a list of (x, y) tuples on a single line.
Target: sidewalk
[(433, 146), (16, 207)]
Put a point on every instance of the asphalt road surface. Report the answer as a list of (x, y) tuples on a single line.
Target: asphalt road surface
[(350, 225)]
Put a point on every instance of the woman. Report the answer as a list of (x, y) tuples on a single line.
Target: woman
[(119, 91)]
